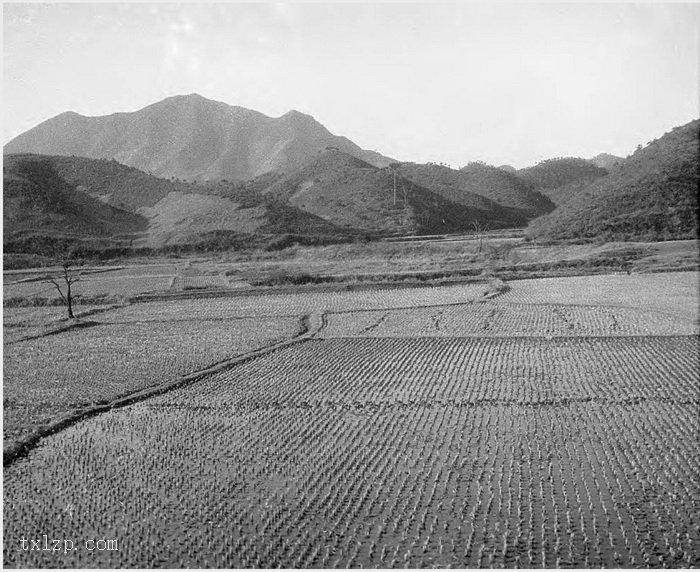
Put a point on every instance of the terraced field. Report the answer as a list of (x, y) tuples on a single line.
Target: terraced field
[(417, 428)]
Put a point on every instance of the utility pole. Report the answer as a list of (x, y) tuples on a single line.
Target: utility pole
[(394, 186)]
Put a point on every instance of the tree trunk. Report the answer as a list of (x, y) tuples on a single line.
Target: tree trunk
[(69, 303)]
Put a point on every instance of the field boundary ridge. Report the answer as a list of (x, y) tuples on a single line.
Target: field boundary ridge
[(310, 325)]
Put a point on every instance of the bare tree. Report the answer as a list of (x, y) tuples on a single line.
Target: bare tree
[(479, 229), (66, 279)]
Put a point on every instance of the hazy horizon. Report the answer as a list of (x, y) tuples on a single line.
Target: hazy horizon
[(453, 83)]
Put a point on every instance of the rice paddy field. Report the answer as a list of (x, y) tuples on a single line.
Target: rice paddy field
[(115, 282), (553, 425)]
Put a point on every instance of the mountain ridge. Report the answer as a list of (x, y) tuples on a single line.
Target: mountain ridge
[(190, 137)]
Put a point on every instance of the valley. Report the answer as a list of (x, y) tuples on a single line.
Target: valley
[(289, 351)]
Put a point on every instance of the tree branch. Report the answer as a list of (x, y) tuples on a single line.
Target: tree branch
[(52, 281)]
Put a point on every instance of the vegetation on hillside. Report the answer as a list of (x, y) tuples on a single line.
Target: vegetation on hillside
[(497, 199), (38, 201), (57, 206), (116, 184), (553, 175), (351, 193), (651, 196), (504, 188), (607, 161)]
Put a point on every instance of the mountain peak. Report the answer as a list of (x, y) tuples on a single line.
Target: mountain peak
[(298, 116), (69, 114), (188, 99), (189, 96), (191, 137)]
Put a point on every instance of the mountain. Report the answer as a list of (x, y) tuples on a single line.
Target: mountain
[(607, 161), (191, 138), (652, 195), (37, 200), (351, 193), (53, 203)]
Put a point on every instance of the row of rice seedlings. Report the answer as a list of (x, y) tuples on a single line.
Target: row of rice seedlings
[(675, 477), (507, 320), (97, 364), (307, 479), (289, 304), (494, 455), (407, 373)]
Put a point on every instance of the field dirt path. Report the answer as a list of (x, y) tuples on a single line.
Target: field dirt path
[(549, 426)]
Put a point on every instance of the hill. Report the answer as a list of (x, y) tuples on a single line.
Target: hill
[(504, 188), (115, 184), (38, 201), (497, 194), (559, 178), (191, 138), (351, 193), (65, 200), (652, 195), (607, 161)]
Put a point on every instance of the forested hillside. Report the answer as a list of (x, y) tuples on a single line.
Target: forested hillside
[(653, 195)]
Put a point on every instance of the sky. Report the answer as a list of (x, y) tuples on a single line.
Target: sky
[(455, 82)]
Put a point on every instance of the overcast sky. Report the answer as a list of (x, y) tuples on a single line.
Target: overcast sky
[(503, 83)]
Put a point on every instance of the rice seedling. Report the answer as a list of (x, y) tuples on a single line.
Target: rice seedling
[(370, 450)]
